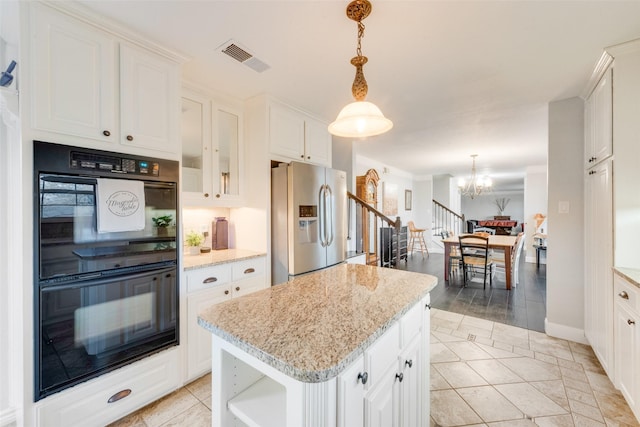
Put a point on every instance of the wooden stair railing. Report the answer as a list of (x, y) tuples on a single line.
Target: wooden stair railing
[(369, 221), (444, 219)]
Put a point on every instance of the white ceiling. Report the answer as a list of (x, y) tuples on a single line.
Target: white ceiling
[(456, 77)]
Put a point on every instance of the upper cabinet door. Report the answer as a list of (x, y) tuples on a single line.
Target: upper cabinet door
[(286, 132), (317, 142), (227, 134), (150, 100), (196, 145), (599, 121), (74, 77)]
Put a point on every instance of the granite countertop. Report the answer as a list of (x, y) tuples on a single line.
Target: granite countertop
[(193, 262), (631, 274), (312, 327)]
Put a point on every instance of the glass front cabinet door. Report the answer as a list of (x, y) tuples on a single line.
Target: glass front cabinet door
[(211, 152)]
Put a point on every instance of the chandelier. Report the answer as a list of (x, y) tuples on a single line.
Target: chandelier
[(476, 185), (361, 118)]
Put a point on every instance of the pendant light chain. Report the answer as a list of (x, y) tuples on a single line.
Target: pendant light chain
[(360, 36)]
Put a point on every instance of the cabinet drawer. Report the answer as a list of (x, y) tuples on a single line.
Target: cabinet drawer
[(247, 286), (383, 353), (248, 268), (410, 324), (625, 294), (88, 404), (208, 277)]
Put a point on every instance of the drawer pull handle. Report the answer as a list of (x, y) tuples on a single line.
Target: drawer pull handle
[(408, 363), (210, 280), (250, 270), (119, 395), (363, 377), (623, 295), (631, 322), (226, 292), (237, 288), (400, 376)]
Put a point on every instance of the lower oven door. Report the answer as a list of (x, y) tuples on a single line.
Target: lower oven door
[(88, 328)]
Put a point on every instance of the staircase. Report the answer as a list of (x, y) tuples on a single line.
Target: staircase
[(369, 222), (444, 219)]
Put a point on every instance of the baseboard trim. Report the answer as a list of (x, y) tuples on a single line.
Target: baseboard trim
[(565, 332), (8, 417)]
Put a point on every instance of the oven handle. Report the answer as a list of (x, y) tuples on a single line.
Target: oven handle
[(103, 280)]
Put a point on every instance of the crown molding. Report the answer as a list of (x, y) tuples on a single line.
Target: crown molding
[(116, 29), (601, 66)]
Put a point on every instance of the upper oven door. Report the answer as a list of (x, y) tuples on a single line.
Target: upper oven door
[(69, 241)]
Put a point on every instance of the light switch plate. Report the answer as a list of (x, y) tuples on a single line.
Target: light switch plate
[(563, 207)]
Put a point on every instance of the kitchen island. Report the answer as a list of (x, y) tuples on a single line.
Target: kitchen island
[(345, 346)]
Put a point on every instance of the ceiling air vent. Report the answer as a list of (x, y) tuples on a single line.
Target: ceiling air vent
[(240, 54)]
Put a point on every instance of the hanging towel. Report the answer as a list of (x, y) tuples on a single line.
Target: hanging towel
[(120, 205)]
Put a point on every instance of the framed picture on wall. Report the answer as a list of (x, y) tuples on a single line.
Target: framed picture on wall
[(407, 200)]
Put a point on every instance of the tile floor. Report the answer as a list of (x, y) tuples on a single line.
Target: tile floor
[(482, 374)]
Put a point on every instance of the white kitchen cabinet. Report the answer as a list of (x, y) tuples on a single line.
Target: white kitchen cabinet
[(599, 121), (598, 262), (627, 341), (87, 83), (74, 76), (212, 152), (88, 404), (149, 100), (212, 285), (389, 384), (296, 135)]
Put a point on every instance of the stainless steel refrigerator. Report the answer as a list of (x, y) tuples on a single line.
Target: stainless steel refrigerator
[(308, 219)]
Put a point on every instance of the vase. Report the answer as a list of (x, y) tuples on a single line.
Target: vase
[(193, 250), (220, 238)]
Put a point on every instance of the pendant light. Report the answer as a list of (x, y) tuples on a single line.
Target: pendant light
[(361, 118), (476, 185)]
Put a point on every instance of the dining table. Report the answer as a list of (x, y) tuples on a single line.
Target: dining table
[(500, 242)]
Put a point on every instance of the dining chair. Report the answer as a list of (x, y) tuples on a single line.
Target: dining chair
[(491, 231), (498, 259), (417, 235), (454, 254), (474, 251)]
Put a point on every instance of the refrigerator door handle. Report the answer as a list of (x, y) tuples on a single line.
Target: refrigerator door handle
[(321, 217), (329, 214)]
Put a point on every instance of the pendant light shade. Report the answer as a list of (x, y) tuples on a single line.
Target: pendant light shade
[(360, 119)]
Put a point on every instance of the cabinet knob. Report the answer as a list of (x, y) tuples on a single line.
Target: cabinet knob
[(106, 133), (427, 306), (117, 265), (400, 376), (226, 292), (363, 377), (206, 194), (623, 295), (237, 288), (168, 275), (308, 157), (129, 138), (631, 322), (210, 280), (217, 196), (408, 363)]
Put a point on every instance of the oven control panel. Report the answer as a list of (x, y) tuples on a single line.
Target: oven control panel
[(112, 164)]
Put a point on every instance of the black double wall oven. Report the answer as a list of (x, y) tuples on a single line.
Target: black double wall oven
[(106, 289)]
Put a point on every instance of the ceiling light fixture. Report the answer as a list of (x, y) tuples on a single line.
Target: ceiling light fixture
[(476, 185), (361, 118)]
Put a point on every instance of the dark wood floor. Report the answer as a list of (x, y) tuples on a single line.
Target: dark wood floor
[(523, 306)]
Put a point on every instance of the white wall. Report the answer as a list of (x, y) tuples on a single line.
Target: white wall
[(565, 269), (422, 206), (484, 206), (535, 201)]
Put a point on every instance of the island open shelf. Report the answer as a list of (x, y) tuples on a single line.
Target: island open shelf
[(346, 346)]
